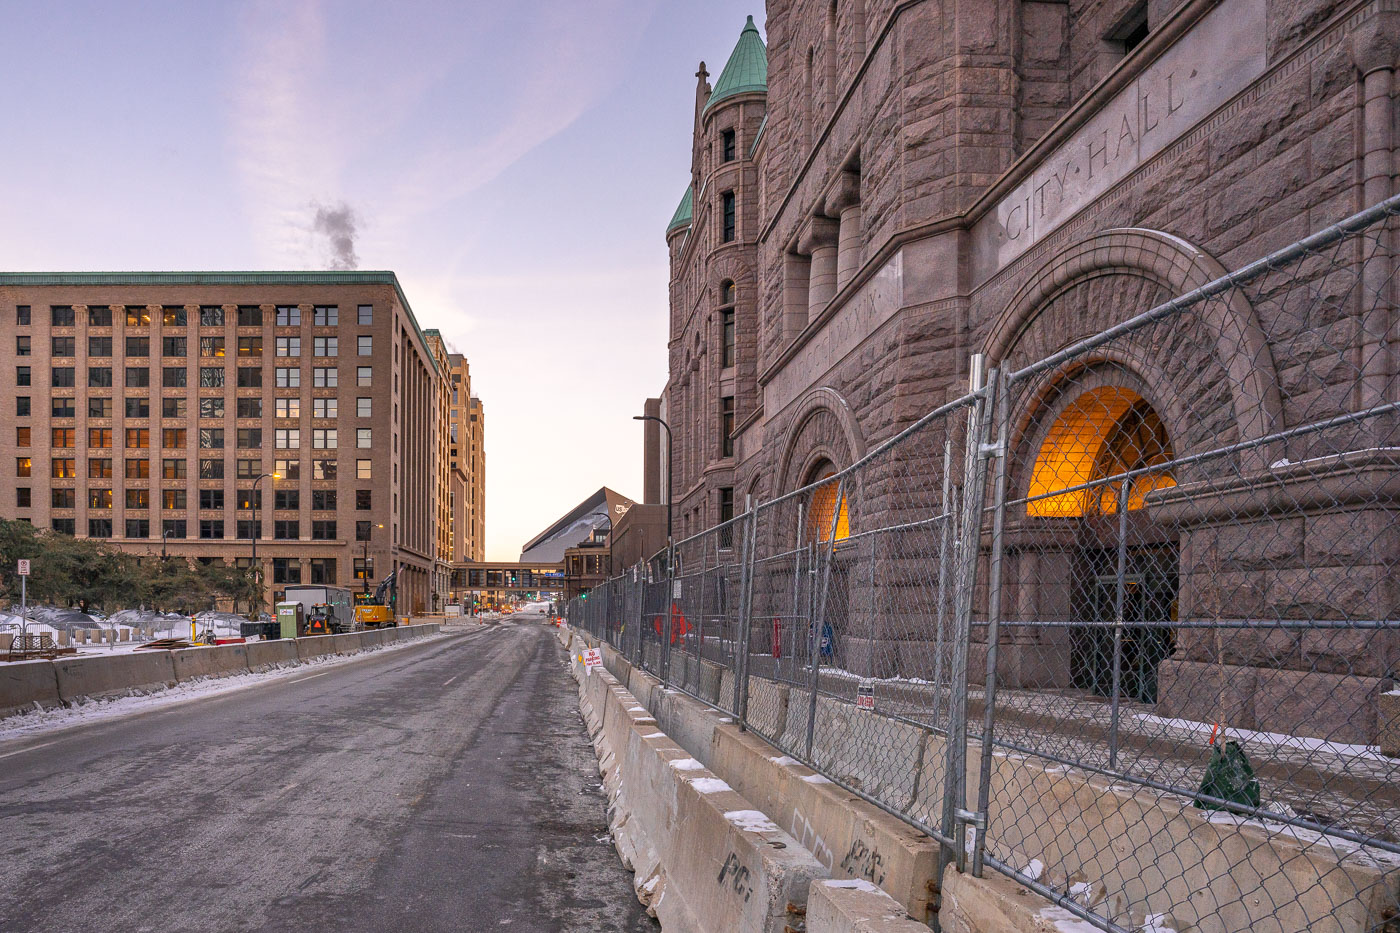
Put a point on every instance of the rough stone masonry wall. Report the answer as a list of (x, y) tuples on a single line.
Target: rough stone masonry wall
[(1281, 163)]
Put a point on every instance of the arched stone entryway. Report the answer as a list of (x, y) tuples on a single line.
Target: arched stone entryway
[(1096, 455)]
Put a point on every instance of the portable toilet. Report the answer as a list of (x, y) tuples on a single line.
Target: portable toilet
[(289, 619)]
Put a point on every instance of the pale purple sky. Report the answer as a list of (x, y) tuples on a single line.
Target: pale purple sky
[(514, 162)]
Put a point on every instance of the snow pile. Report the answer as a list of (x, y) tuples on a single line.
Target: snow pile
[(752, 821), (710, 785)]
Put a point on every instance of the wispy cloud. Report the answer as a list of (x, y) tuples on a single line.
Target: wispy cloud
[(300, 132), (285, 150)]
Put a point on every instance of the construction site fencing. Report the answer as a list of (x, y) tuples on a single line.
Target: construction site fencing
[(1122, 622)]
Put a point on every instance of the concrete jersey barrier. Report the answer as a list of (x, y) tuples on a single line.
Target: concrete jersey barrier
[(705, 858), (275, 653), (216, 661), (24, 683), (113, 674)]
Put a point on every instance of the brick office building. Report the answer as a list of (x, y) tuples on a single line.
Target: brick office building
[(901, 185), (145, 407)]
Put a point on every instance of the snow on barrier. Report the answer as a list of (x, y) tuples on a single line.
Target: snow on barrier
[(217, 661), (704, 858), (856, 906), (114, 674), (24, 683)]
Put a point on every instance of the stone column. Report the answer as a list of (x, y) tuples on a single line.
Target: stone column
[(844, 202), (819, 240), (1375, 51), (796, 278)]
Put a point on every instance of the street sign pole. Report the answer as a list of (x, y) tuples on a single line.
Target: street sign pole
[(24, 600)]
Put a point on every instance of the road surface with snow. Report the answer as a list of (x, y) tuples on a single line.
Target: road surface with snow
[(449, 786)]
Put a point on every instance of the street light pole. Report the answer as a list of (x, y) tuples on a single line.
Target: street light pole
[(364, 561), (670, 461), (257, 571)]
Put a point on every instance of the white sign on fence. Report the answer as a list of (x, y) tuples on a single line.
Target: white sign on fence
[(592, 658), (24, 568)]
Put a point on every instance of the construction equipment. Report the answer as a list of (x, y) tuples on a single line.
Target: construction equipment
[(376, 610)]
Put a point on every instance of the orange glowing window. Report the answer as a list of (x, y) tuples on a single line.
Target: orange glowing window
[(824, 509), (1105, 432)]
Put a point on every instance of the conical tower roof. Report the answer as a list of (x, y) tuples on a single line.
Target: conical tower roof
[(747, 68), (685, 211)]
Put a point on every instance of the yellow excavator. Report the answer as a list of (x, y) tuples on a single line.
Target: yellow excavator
[(377, 610)]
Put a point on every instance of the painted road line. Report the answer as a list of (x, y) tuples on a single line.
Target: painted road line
[(29, 749)]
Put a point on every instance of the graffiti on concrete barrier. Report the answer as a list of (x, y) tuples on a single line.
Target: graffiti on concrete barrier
[(737, 874), (861, 861), (805, 833)]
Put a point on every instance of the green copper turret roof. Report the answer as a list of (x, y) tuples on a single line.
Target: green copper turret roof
[(747, 68), (685, 211)]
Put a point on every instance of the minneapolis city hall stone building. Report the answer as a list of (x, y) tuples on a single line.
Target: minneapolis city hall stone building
[(197, 413), (890, 187)]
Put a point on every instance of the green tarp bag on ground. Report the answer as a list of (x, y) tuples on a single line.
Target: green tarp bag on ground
[(1229, 776)]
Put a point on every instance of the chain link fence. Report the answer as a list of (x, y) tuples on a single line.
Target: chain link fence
[(1122, 623)]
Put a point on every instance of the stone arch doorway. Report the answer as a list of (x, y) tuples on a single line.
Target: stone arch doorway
[(1100, 453)]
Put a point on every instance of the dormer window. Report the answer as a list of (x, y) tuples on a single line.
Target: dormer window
[(727, 142)]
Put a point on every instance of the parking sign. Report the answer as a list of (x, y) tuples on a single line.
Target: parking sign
[(24, 568)]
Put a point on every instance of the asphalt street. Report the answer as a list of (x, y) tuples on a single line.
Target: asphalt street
[(449, 785)]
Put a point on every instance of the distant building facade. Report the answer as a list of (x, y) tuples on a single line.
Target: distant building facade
[(198, 411), (889, 188)]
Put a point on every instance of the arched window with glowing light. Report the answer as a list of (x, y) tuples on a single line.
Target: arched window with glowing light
[(823, 509), (1104, 432), (1104, 438)]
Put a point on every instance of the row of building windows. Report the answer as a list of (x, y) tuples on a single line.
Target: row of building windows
[(211, 529), (140, 407), (209, 315), (210, 377), (287, 500), (209, 438), (210, 347), (284, 500), (178, 468)]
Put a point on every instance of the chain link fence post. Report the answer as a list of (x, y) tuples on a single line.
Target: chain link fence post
[(745, 632), (671, 594), (998, 449), (818, 619), (966, 547)]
